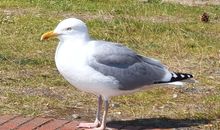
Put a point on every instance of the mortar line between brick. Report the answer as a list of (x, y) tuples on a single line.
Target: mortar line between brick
[(24, 123), (43, 124), (9, 120), (62, 125)]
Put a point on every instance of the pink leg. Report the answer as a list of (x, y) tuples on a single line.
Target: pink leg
[(103, 125), (97, 120)]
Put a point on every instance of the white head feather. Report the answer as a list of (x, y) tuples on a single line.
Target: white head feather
[(71, 28)]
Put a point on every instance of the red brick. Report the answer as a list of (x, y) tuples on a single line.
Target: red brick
[(53, 125), (14, 123), (36, 122), (70, 126), (6, 118)]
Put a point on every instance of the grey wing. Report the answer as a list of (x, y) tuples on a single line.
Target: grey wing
[(131, 70)]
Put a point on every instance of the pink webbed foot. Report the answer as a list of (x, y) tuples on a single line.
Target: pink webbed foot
[(99, 128), (88, 125)]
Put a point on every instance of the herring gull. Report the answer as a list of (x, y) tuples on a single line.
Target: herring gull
[(104, 68)]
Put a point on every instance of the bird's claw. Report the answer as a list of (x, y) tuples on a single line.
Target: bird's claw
[(88, 125)]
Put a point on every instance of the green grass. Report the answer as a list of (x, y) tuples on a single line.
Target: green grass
[(31, 85)]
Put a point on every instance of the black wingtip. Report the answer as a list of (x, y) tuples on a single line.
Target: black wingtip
[(177, 77), (180, 76)]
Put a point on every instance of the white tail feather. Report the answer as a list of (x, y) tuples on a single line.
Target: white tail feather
[(178, 83)]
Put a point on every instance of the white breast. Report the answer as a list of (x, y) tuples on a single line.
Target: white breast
[(71, 61)]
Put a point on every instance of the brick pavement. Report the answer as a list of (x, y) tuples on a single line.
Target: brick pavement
[(11, 122)]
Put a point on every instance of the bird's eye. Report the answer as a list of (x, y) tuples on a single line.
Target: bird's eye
[(69, 28)]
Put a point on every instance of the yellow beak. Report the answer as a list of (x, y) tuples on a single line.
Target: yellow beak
[(48, 35)]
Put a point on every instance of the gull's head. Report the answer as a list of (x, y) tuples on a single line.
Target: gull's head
[(68, 28)]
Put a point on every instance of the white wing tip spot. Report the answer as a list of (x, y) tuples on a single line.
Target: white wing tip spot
[(174, 75)]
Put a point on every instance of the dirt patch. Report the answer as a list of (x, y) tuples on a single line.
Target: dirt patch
[(109, 17), (89, 16), (18, 11), (159, 19), (164, 19), (10, 12), (194, 2)]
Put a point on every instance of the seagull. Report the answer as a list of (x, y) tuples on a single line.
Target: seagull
[(103, 68)]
